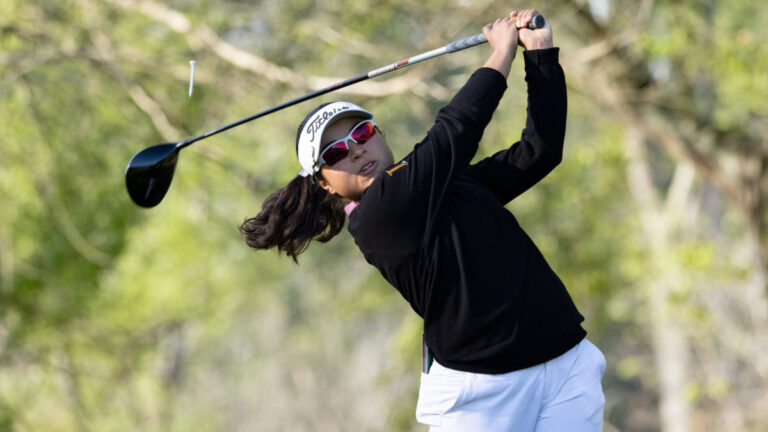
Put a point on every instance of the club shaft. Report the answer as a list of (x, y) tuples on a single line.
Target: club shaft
[(449, 48), (354, 80), (362, 77)]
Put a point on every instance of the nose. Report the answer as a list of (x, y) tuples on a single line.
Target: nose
[(355, 150)]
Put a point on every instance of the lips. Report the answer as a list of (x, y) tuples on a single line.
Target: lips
[(368, 167)]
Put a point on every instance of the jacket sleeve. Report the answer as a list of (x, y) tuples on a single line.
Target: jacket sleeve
[(398, 212), (447, 150), (511, 172)]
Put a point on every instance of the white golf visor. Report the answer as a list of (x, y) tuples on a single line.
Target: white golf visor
[(312, 133)]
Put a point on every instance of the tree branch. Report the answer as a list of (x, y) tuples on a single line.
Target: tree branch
[(248, 61)]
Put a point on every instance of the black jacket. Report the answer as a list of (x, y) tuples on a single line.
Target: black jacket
[(437, 230)]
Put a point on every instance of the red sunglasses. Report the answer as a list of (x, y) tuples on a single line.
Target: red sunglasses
[(338, 150)]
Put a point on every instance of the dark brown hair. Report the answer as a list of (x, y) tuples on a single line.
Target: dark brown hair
[(296, 214), (293, 216)]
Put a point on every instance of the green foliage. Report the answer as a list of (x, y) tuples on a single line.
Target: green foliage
[(716, 53), (119, 318)]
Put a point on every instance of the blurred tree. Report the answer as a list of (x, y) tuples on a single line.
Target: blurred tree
[(115, 318), (687, 80)]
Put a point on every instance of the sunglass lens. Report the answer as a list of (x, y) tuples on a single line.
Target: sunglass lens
[(363, 132), (335, 153)]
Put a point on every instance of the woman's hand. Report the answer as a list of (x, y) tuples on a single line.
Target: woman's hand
[(502, 36), (531, 39)]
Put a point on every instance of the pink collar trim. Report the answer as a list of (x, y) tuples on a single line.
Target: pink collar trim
[(350, 207)]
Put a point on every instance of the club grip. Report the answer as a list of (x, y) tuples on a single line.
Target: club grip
[(537, 22), (466, 43)]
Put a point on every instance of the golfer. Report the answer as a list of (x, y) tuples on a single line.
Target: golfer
[(504, 347)]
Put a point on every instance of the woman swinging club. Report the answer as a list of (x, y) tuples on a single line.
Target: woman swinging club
[(508, 347)]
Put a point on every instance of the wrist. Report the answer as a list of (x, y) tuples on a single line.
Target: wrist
[(501, 60), (507, 52), (536, 45)]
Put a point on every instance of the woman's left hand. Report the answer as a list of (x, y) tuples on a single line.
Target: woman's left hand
[(531, 39)]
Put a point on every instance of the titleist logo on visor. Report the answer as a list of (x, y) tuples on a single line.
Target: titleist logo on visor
[(320, 120)]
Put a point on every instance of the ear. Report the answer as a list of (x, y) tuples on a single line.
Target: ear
[(325, 185)]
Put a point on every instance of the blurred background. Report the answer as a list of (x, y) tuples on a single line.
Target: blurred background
[(116, 318)]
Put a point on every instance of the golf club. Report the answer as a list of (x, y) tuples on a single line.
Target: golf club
[(149, 173)]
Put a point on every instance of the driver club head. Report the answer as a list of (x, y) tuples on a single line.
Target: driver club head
[(149, 173)]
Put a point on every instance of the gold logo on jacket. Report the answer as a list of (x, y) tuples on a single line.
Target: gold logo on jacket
[(396, 167)]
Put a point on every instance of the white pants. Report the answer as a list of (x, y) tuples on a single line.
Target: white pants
[(563, 394)]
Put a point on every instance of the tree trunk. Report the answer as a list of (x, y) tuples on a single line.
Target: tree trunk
[(669, 340)]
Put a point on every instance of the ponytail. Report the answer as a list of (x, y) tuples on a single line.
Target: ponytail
[(293, 216)]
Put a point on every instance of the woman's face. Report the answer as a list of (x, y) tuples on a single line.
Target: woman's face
[(351, 176)]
